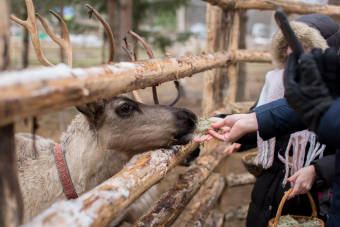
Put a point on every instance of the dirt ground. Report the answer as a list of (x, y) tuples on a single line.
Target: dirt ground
[(50, 127)]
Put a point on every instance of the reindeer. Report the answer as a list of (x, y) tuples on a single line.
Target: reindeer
[(100, 141)]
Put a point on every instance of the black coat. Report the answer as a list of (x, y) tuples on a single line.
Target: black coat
[(329, 133)]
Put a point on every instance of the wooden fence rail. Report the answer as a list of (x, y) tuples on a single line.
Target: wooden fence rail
[(287, 6), (101, 205), (170, 205), (38, 91)]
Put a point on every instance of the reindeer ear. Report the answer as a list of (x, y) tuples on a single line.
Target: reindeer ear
[(93, 109)]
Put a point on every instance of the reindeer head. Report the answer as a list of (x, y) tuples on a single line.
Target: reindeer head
[(120, 122)]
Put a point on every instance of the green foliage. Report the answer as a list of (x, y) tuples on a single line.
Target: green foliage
[(161, 14), (156, 13)]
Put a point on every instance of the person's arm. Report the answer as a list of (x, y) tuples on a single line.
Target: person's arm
[(329, 127), (277, 118)]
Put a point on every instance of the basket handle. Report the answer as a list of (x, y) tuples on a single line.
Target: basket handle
[(287, 193)]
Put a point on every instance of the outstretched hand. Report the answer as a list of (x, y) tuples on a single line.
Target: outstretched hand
[(232, 128)]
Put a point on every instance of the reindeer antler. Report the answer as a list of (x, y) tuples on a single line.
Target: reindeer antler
[(64, 42), (107, 29), (31, 26), (173, 102), (132, 59), (151, 56)]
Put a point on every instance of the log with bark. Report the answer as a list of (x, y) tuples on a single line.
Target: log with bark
[(101, 205), (240, 179), (237, 214), (33, 92), (167, 209), (287, 6), (204, 201), (215, 218)]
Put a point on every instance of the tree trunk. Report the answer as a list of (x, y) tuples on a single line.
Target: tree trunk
[(120, 21), (242, 72), (125, 26), (25, 46), (11, 204)]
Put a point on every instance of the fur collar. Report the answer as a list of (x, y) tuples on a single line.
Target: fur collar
[(309, 37)]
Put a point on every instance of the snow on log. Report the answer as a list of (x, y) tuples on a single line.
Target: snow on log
[(287, 6), (101, 205), (167, 209), (33, 92)]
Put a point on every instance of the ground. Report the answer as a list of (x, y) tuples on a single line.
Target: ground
[(50, 127)]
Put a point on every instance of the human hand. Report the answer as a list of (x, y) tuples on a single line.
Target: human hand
[(232, 148), (304, 179), (235, 126), (305, 90)]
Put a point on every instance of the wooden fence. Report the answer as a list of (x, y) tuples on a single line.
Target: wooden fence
[(32, 92)]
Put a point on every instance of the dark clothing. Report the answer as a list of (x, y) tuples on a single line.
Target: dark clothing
[(272, 122), (329, 127), (268, 191), (329, 132)]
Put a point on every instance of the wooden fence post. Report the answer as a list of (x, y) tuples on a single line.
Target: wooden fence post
[(10, 196), (215, 80), (233, 46)]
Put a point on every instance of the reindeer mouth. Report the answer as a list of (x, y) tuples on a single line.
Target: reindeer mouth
[(182, 138)]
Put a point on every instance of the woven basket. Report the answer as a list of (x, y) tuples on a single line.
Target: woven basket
[(249, 164), (275, 221)]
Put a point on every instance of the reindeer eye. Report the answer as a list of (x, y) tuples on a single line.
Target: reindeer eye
[(125, 108)]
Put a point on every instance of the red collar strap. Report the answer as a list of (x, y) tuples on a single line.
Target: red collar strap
[(63, 172)]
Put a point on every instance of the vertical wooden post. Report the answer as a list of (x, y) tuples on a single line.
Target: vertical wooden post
[(233, 45), (215, 80), (10, 196), (242, 71)]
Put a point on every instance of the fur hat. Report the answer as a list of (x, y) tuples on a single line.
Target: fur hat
[(313, 31)]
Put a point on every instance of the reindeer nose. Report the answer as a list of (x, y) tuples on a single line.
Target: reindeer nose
[(189, 118)]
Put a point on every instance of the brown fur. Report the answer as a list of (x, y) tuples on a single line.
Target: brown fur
[(98, 144), (309, 37)]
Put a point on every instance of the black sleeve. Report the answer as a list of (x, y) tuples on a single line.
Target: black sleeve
[(325, 169), (248, 139)]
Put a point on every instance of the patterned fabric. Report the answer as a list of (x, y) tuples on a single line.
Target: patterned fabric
[(63, 172)]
